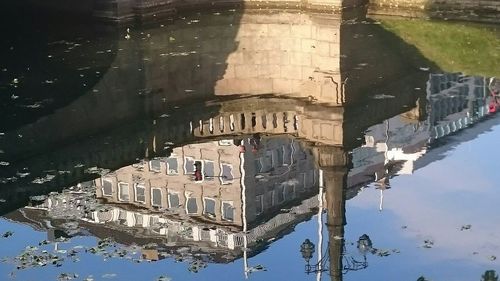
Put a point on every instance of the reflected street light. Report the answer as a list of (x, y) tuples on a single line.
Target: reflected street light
[(307, 250)]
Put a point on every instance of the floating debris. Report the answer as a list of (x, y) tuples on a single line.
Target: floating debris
[(465, 227), (7, 234), (163, 278), (383, 96), (197, 265), (428, 244), (67, 276), (38, 198), (22, 175), (492, 258), (4, 163), (256, 268), (97, 170), (109, 275), (382, 252), (45, 179)]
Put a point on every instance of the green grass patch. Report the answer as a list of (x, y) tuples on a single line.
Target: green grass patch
[(453, 46)]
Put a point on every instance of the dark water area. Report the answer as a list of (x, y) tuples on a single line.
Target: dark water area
[(259, 145)]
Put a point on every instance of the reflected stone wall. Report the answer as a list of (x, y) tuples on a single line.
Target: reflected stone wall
[(285, 53)]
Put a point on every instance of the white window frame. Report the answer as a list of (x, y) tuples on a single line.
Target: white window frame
[(102, 186), (222, 210), (120, 191), (135, 192), (168, 199), (203, 169), (188, 196), (151, 166), (222, 180), (161, 195), (204, 205), (168, 166), (186, 158)]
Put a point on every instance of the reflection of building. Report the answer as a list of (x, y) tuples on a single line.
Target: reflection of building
[(205, 180), (456, 101), (396, 146), (251, 190)]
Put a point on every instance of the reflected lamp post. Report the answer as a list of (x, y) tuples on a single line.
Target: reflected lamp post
[(364, 245), (349, 262), (307, 250)]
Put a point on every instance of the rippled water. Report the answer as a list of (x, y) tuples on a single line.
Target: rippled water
[(259, 145)]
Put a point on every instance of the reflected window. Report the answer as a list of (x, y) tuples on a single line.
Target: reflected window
[(173, 200), (209, 207), (280, 193), (107, 187), (310, 180), (258, 165), (259, 204), (138, 219), (226, 176), (289, 192), (205, 235), (154, 221), (155, 165), (140, 193), (156, 197), (279, 157), (209, 170), (188, 166), (301, 182), (287, 154), (123, 191), (269, 198), (268, 161), (225, 142), (172, 166), (198, 171), (122, 217), (228, 211), (191, 206)]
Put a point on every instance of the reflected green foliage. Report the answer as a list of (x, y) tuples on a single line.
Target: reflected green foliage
[(489, 275), (452, 46)]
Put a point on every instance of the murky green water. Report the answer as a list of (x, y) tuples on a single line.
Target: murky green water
[(259, 145)]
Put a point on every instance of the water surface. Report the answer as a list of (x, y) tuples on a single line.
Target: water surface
[(259, 145)]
